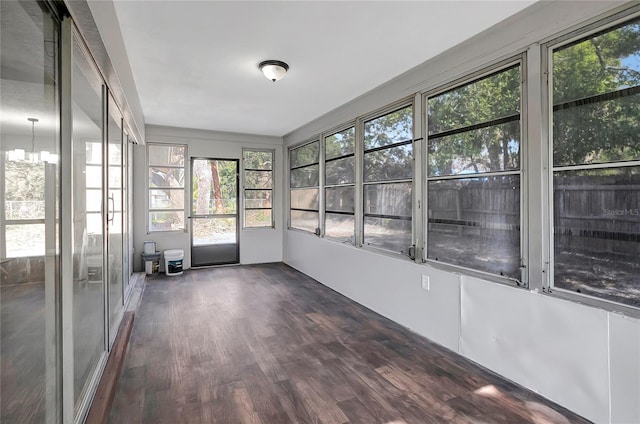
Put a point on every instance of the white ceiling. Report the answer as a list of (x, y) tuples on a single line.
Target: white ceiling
[(195, 62)]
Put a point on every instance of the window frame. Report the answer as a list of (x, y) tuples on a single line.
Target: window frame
[(148, 208), (244, 188), (547, 49), (519, 60), (290, 188)]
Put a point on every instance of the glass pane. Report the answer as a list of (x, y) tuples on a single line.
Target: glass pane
[(305, 199), (257, 160), (305, 177), (340, 171), (208, 231), (88, 229), (388, 199), (389, 164), (257, 198), (94, 200), (475, 223), (339, 199), (304, 220), (166, 221), (114, 215), (597, 233), (339, 144), (388, 234), (600, 64), (24, 189), (25, 240), (490, 149), (258, 179), (166, 155), (166, 177), (492, 97), (391, 128), (600, 132), (338, 226), (304, 155), (258, 218), (166, 199), (215, 188)]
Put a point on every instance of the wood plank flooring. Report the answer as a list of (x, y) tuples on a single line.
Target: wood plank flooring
[(267, 344)]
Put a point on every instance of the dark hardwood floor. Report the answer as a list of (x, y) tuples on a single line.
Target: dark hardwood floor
[(267, 344)]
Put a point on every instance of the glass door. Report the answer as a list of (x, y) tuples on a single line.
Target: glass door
[(214, 212)]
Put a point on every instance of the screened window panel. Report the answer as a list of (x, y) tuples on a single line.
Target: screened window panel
[(604, 63), (256, 159), (166, 155), (388, 199), (305, 177), (490, 98), (340, 171), (257, 199), (394, 127), (304, 155), (597, 233), (388, 234), (489, 149), (304, 220), (305, 199), (338, 226), (606, 131), (394, 163), (339, 144), (166, 221), (475, 223), (339, 199), (258, 218), (166, 177), (166, 199), (258, 179)]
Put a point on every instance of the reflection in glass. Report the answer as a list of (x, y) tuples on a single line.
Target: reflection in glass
[(475, 223), (166, 155), (394, 127), (488, 149), (394, 163), (388, 234), (166, 199), (88, 253), (304, 220), (166, 177), (596, 221)]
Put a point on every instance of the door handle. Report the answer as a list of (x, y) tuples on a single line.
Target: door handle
[(111, 209)]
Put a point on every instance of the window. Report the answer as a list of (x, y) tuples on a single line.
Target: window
[(339, 185), (304, 175), (258, 188), (473, 174), (166, 187), (596, 164), (388, 180)]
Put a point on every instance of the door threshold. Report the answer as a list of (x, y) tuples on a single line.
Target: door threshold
[(215, 265)]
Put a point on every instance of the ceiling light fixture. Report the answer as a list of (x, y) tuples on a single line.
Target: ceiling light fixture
[(273, 69)]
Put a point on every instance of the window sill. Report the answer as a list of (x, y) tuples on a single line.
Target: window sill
[(594, 302)]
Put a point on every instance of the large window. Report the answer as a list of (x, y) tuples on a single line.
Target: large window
[(596, 164), (339, 185), (388, 180), (166, 186), (473, 174), (304, 172), (258, 188)]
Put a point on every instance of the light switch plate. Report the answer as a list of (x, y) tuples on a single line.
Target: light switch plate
[(426, 283)]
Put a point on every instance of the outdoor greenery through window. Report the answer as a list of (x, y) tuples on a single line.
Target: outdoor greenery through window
[(304, 173), (596, 159), (258, 188), (388, 180), (339, 185), (473, 174), (166, 186)]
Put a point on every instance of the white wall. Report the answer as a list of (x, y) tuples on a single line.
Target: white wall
[(582, 357), (257, 245)]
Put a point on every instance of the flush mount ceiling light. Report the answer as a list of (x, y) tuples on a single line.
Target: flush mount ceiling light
[(273, 69)]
